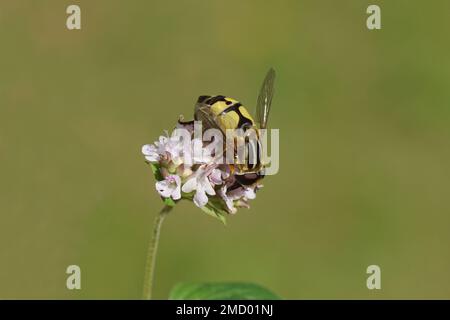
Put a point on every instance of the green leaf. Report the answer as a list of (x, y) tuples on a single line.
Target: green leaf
[(156, 171), (215, 209), (221, 291), (169, 202)]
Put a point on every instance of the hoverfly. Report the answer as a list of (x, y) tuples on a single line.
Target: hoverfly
[(221, 112)]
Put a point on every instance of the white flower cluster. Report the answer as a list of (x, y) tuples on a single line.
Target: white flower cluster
[(201, 180)]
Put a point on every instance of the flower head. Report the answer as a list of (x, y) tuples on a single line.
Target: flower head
[(212, 186)]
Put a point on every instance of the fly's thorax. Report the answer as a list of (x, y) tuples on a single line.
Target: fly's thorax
[(241, 142), (228, 113)]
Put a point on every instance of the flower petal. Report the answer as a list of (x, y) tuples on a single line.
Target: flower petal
[(216, 176), (190, 185), (236, 193), (154, 158), (163, 188), (200, 198), (150, 153), (176, 194), (177, 179), (148, 149), (250, 193), (206, 185)]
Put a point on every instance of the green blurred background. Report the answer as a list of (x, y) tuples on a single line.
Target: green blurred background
[(364, 124)]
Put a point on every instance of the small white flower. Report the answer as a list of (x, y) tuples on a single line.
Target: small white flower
[(170, 187), (200, 182), (161, 144), (175, 148), (237, 197), (150, 153), (168, 149)]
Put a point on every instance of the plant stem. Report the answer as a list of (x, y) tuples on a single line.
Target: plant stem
[(151, 253)]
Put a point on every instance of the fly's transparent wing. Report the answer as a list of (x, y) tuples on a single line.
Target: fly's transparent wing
[(265, 99), (208, 119)]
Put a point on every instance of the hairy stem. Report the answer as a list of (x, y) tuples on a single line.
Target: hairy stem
[(151, 253)]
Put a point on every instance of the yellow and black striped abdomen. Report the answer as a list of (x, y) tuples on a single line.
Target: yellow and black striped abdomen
[(230, 114)]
